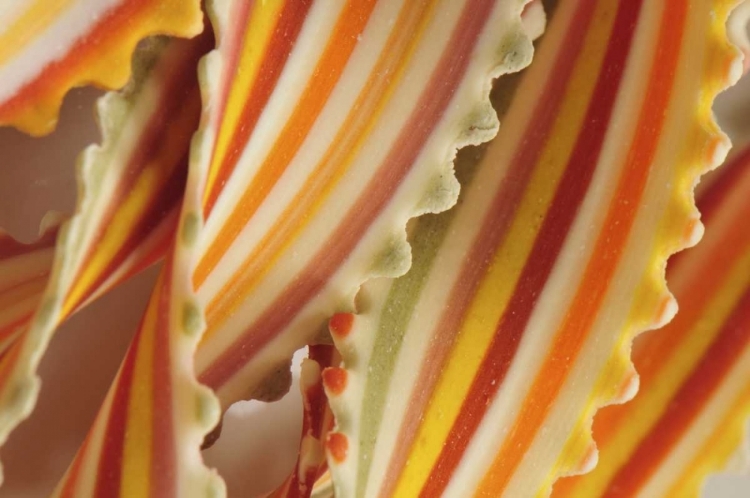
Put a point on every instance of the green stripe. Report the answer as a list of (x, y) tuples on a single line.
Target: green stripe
[(426, 239)]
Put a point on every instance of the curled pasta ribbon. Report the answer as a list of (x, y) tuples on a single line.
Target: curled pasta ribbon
[(326, 126), (694, 400), (480, 370), (50, 46)]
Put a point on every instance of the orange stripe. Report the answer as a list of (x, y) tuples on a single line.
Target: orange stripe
[(70, 487), (21, 291), (724, 441), (570, 338), (285, 32), (693, 299), (331, 168), (349, 26), (153, 179), (11, 328), (687, 403)]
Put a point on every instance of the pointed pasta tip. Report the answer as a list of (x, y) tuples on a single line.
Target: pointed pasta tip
[(337, 445), (589, 460), (334, 380), (341, 324)]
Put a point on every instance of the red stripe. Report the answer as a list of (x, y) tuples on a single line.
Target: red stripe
[(164, 238), (323, 355), (163, 456), (162, 206), (41, 276), (70, 486), (728, 175), (711, 200), (109, 473), (493, 233), (688, 402), (14, 327), (560, 215), (429, 111), (303, 477), (181, 84), (287, 30), (242, 9)]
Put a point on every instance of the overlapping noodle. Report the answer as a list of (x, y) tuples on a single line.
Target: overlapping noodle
[(480, 370), (694, 400), (130, 190), (326, 126)]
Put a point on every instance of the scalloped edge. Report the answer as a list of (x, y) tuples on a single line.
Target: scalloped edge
[(692, 234), (40, 117), (479, 124), (19, 397)]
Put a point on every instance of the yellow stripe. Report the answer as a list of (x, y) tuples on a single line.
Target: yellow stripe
[(36, 19), (136, 459), (576, 448), (254, 47), (498, 284), (139, 199), (618, 450), (652, 400), (723, 443), (339, 158), (116, 233)]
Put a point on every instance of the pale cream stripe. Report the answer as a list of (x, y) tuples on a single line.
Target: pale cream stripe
[(344, 284), (543, 456), (434, 299), (683, 269), (289, 265), (89, 466), (437, 289), (104, 168), (321, 135), (351, 186), (359, 344), (146, 246), (10, 12), (606, 334), (551, 306), (295, 76)]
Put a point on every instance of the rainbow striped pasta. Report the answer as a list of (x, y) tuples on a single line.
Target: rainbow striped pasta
[(694, 400), (479, 372), (325, 127), (293, 161), (131, 190), (50, 46), (320, 206)]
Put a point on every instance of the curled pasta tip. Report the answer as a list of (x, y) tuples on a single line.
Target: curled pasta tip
[(50, 47)]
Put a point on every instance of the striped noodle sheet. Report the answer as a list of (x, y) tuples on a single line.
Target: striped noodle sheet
[(326, 126), (689, 416), (478, 373), (131, 187)]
